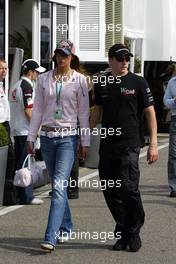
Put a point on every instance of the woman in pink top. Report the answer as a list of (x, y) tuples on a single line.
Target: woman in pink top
[(61, 101)]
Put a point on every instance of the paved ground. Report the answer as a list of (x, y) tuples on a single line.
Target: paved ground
[(21, 230)]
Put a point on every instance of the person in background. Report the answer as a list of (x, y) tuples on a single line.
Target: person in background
[(121, 101), (168, 74), (61, 101), (170, 102), (4, 104), (23, 96), (9, 189)]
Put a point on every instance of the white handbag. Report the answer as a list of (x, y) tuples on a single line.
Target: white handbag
[(36, 172), (23, 176), (32, 174)]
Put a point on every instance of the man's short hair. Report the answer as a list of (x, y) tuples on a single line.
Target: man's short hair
[(2, 60), (119, 50)]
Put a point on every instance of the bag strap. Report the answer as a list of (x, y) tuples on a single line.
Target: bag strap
[(32, 159), (27, 159)]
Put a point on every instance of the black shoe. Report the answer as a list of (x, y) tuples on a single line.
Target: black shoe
[(135, 243), (73, 195), (121, 244), (50, 193), (173, 194), (81, 163)]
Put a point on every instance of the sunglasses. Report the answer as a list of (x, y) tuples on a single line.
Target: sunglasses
[(127, 59)]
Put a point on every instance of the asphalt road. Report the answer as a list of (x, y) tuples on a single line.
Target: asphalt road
[(22, 230)]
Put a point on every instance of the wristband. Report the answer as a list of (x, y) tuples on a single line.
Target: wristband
[(153, 145)]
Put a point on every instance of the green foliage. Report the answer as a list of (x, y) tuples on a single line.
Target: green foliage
[(137, 65), (23, 41), (127, 43), (4, 140)]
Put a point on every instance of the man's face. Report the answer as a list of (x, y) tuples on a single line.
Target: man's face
[(3, 70), (120, 65)]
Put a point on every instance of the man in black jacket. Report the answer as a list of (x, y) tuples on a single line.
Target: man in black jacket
[(121, 99)]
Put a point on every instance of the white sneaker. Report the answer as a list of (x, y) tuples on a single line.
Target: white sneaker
[(47, 247), (36, 201)]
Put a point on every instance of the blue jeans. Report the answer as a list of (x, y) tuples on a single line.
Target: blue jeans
[(172, 155), (58, 154)]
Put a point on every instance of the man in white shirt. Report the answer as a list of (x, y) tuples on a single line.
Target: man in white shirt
[(9, 190), (4, 105)]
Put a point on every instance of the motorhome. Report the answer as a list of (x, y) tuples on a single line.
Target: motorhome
[(146, 26)]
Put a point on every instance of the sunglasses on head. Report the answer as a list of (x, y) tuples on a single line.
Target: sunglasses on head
[(123, 59)]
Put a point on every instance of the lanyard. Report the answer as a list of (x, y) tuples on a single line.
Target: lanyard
[(58, 92)]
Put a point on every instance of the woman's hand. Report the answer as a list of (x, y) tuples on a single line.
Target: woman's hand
[(30, 147)]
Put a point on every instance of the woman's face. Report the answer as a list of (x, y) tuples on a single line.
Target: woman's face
[(63, 60)]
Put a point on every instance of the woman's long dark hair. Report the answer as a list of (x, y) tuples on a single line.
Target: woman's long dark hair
[(75, 64)]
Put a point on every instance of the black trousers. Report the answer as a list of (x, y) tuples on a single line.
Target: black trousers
[(9, 188), (120, 165)]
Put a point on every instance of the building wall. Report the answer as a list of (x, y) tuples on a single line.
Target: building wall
[(133, 18), (91, 35), (20, 14), (160, 30)]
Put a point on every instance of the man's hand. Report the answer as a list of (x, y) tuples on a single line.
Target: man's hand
[(82, 152), (30, 147), (152, 154), (95, 116)]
